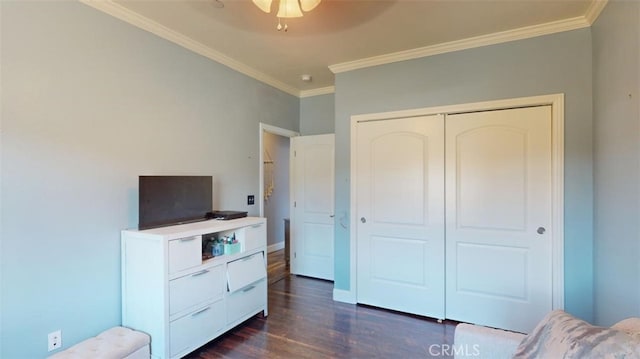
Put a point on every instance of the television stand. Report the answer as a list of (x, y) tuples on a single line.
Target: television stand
[(182, 300)]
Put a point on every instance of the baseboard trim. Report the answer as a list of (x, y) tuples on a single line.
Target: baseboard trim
[(275, 247), (344, 296)]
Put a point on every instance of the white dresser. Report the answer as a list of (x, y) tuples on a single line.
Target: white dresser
[(183, 301)]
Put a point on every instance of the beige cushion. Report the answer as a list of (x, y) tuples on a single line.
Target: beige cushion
[(560, 335), (115, 343)]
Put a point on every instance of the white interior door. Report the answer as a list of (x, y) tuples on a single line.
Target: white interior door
[(499, 201), (400, 212), (312, 215)]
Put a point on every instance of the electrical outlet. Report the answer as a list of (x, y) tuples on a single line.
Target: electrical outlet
[(251, 199), (55, 340)]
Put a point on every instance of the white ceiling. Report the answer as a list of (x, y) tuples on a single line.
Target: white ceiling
[(340, 35)]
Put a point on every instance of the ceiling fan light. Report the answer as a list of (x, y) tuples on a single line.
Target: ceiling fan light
[(289, 8), (264, 5), (308, 5)]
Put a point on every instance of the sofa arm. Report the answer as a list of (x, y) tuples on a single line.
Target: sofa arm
[(482, 342)]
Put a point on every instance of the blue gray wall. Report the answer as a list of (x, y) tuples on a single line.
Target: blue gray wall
[(88, 104), (559, 63), (616, 82), (317, 115)]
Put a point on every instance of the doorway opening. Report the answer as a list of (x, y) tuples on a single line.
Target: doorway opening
[(274, 194)]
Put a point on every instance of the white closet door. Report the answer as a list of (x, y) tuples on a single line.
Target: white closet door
[(400, 212), (498, 200), (312, 215)]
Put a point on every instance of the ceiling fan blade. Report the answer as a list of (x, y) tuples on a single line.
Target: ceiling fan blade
[(264, 5)]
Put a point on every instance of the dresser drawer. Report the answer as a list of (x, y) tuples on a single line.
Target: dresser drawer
[(255, 236), (206, 285), (246, 301), (184, 253), (196, 329), (245, 271)]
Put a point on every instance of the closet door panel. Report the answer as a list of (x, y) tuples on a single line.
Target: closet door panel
[(400, 211), (498, 225)]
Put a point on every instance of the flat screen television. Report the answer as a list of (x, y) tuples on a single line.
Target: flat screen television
[(168, 200)]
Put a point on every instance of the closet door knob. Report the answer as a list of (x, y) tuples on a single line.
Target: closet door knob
[(363, 220), (541, 230)]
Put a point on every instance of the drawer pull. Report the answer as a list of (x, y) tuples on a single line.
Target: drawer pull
[(248, 288), (187, 239), (200, 311), (256, 225), (247, 258), (204, 271)]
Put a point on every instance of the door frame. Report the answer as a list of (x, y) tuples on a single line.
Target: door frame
[(276, 131), (557, 177)]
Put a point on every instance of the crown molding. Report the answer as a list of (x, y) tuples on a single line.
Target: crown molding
[(135, 19), (118, 11), (317, 92), (469, 43), (594, 10)]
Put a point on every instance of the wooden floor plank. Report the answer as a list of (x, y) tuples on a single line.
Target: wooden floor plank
[(277, 268), (305, 322)]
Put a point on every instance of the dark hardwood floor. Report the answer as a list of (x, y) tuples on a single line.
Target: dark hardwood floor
[(305, 322), (277, 268)]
